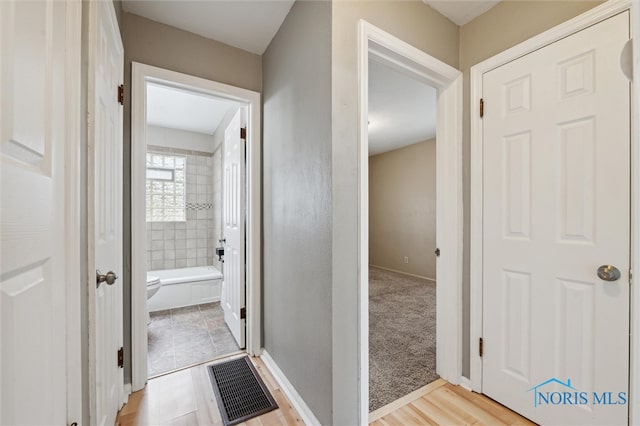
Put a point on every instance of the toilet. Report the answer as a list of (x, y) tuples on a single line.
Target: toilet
[(153, 285)]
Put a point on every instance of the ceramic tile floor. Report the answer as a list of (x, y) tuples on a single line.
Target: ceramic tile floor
[(186, 336)]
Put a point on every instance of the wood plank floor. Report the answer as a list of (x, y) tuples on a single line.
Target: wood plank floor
[(441, 403), (186, 397)]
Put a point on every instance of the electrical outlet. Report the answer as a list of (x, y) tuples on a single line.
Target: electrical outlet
[(406, 259)]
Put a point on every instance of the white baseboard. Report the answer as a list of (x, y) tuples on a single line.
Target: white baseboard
[(465, 383), (290, 392), (126, 394), (404, 273)]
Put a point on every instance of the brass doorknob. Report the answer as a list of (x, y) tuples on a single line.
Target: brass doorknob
[(608, 273), (109, 278)]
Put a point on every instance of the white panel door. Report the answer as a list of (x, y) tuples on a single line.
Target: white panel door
[(556, 207), (33, 288), (233, 221), (106, 67)]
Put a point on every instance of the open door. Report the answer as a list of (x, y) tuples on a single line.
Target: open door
[(38, 86), (233, 220), (104, 200)]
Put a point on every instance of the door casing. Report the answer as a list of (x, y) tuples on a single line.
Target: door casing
[(591, 17), (96, 12), (140, 75), (383, 47)]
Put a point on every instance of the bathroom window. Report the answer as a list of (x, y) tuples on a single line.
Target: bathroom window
[(165, 187)]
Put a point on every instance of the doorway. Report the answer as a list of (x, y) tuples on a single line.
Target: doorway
[(187, 138), (377, 45), (402, 234), (192, 279)]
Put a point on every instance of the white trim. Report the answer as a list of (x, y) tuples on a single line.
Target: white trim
[(73, 172), (403, 273), (127, 392), (374, 43), (290, 392), (92, 323), (465, 383), (141, 74), (634, 373), (591, 17)]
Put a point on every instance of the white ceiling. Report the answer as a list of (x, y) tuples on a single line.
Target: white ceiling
[(185, 110), (402, 110), (461, 11), (247, 24)]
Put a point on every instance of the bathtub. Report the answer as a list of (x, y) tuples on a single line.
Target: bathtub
[(185, 287)]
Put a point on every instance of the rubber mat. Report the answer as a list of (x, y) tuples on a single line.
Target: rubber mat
[(240, 392)]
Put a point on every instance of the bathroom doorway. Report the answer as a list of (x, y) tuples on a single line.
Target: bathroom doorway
[(193, 221)]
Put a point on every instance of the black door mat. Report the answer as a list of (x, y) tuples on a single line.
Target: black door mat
[(240, 392)]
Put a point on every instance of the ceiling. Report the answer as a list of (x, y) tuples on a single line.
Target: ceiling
[(247, 24), (402, 110), (185, 110), (461, 11)]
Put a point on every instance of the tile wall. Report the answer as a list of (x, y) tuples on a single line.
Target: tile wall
[(217, 201), (190, 243)]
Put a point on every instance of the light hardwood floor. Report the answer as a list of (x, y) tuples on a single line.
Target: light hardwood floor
[(186, 397), (441, 403)]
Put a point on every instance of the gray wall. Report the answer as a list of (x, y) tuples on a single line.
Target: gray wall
[(424, 28), (504, 26), (117, 6), (402, 209), (160, 45), (297, 203)]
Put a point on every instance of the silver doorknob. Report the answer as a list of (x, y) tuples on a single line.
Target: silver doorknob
[(109, 278), (608, 273)]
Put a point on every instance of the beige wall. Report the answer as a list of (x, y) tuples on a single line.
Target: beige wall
[(160, 45), (424, 28), (502, 27), (402, 209)]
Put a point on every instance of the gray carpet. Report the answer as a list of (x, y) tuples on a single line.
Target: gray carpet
[(402, 335)]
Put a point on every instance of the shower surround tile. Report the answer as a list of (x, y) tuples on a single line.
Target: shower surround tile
[(165, 240)]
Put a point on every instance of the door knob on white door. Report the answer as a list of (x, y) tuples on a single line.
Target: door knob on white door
[(608, 273), (109, 278)]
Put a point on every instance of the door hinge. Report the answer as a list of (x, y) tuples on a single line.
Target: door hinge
[(481, 107), (243, 313), (121, 357), (121, 94), (480, 347), (243, 133), (630, 276)]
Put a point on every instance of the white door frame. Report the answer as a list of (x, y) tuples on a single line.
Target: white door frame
[(94, 9), (73, 224), (591, 17), (381, 46), (140, 75)]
